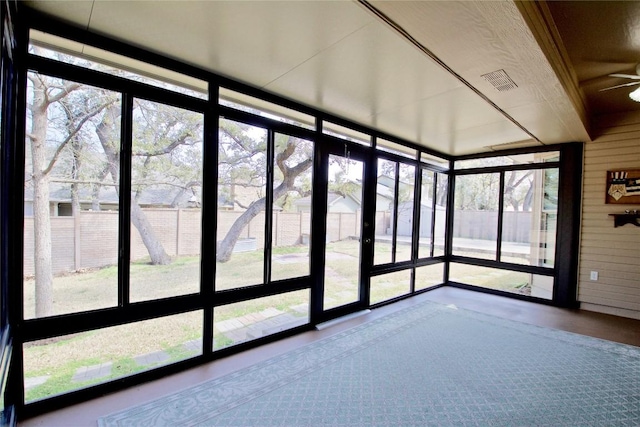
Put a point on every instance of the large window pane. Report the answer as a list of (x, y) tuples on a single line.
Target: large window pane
[(344, 216), (248, 320), (291, 225), (426, 214), (503, 280), (530, 211), (385, 200), (406, 186), (441, 213), (475, 221), (391, 285), (242, 175), (166, 198), (71, 197), (429, 276), (70, 362)]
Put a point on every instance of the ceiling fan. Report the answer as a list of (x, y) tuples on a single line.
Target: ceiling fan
[(635, 94)]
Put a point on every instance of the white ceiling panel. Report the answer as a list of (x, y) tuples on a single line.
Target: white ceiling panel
[(73, 12), (477, 38), (371, 72), (418, 77), (479, 139), (440, 119), (254, 42)]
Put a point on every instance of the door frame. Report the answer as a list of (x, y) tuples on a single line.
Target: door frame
[(325, 147)]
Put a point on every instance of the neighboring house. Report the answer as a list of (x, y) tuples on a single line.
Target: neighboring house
[(60, 199), (336, 203)]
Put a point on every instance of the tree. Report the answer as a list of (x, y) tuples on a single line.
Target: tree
[(74, 140), (242, 161), (46, 93), (518, 189)]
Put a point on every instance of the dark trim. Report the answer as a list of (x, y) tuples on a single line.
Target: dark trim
[(430, 261), (124, 209), (568, 227), (209, 220), (368, 220), (320, 188), (6, 350), (417, 214), (268, 207), (500, 217), (13, 172), (35, 329), (448, 232), (394, 226), (391, 267), (259, 291), (434, 206)]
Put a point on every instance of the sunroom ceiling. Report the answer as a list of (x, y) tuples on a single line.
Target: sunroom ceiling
[(425, 85)]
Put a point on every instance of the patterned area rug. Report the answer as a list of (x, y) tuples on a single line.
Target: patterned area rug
[(428, 365)]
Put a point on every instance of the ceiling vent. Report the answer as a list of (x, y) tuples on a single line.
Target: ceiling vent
[(500, 80)]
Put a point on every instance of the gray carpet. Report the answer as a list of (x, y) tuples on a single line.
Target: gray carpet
[(428, 365)]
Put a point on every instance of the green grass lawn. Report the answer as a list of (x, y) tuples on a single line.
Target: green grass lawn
[(58, 359)]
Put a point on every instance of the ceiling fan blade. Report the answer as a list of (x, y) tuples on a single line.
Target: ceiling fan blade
[(626, 76), (619, 86)]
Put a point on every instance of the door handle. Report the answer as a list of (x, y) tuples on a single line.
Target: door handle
[(367, 240)]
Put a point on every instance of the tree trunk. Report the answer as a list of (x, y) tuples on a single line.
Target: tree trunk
[(225, 247), (109, 139), (151, 242), (41, 219)]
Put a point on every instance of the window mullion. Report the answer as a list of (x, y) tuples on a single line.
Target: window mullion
[(500, 217), (434, 193), (268, 220), (124, 245), (396, 194)]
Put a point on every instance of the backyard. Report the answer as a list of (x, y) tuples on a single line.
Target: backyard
[(65, 363)]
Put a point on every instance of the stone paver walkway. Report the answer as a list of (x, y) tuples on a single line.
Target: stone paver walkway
[(152, 358), (30, 383), (86, 373)]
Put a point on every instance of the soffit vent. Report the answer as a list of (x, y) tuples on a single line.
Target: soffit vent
[(500, 80)]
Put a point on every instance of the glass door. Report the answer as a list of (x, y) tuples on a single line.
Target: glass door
[(347, 239)]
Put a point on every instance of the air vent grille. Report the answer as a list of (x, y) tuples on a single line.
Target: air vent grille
[(500, 80)]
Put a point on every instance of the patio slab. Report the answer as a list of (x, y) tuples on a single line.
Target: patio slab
[(87, 373)]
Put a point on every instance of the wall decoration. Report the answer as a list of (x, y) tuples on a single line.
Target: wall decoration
[(623, 186)]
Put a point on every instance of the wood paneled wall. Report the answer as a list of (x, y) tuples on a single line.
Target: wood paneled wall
[(613, 252)]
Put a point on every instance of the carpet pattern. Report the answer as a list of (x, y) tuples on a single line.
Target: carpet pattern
[(427, 365)]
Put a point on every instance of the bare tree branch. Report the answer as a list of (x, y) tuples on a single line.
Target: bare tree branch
[(72, 134)]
